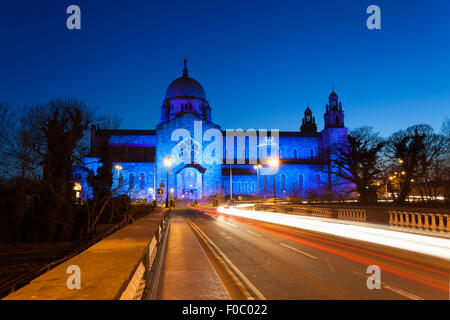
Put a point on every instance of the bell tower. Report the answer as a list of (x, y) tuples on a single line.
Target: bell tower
[(334, 116), (308, 122)]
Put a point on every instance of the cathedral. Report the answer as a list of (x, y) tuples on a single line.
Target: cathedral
[(146, 161)]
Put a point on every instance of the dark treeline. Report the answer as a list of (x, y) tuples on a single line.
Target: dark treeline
[(410, 164), (41, 145)]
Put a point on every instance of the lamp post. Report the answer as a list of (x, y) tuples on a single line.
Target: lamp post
[(273, 163), (118, 168), (257, 167), (167, 162)]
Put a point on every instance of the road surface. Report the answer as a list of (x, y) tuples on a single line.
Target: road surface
[(289, 263)]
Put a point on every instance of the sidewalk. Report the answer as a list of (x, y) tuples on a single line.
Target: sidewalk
[(187, 273)]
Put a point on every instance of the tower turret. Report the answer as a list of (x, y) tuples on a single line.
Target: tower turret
[(308, 122), (334, 116)]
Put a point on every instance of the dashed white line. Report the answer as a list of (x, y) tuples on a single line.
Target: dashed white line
[(230, 224), (299, 251), (256, 234), (403, 293)]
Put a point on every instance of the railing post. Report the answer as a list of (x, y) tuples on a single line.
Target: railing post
[(413, 220), (433, 222), (391, 220), (448, 222), (406, 219), (427, 221), (419, 220), (441, 222), (400, 218)]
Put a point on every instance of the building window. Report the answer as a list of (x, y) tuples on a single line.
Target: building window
[(300, 184), (312, 154), (295, 154), (318, 181), (265, 182), (142, 181), (120, 184), (283, 182), (131, 181)]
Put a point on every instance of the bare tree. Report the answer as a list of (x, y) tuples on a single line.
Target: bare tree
[(6, 127), (356, 162), (413, 153)]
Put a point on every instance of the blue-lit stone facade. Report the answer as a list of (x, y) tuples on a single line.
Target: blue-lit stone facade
[(198, 173)]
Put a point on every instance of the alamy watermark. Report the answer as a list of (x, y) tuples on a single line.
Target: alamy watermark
[(241, 147), (74, 280)]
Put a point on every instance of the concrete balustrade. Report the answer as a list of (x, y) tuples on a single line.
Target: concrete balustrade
[(322, 212), (420, 220), (117, 267), (352, 214)]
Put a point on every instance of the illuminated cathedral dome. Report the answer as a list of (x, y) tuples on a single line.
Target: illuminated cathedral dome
[(185, 87)]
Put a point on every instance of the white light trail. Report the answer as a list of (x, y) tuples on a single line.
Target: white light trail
[(434, 246)]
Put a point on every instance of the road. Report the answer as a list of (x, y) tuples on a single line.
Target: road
[(289, 263)]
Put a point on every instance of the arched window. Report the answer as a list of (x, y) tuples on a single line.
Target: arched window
[(337, 120), (142, 181), (265, 182), (300, 184), (131, 181), (318, 181), (295, 154), (120, 180), (312, 154), (283, 182)]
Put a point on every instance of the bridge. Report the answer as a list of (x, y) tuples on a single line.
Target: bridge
[(260, 251)]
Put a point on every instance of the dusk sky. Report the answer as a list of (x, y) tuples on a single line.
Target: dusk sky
[(259, 61)]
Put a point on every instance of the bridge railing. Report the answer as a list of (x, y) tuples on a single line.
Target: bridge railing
[(438, 220), (420, 220), (352, 214), (143, 279), (123, 265)]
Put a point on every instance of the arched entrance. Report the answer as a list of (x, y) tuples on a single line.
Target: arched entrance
[(190, 183)]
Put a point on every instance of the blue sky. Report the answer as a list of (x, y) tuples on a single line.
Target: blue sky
[(259, 61)]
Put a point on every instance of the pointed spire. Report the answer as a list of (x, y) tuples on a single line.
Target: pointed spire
[(185, 70)]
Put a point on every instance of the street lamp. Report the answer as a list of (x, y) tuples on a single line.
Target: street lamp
[(118, 168), (168, 163), (273, 163), (257, 167)]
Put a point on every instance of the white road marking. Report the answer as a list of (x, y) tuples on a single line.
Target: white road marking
[(403, 293), (299, 251), (230, 224), (329, 264), (256, 234), (393, 289), (235, 273)]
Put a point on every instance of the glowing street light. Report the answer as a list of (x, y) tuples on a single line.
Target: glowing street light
[(273, 163), (400, 161), (118, 168), (168, 163)]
